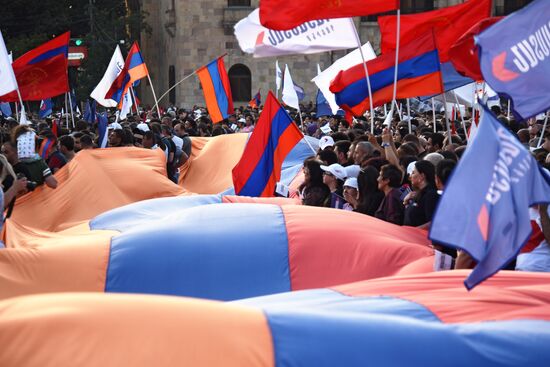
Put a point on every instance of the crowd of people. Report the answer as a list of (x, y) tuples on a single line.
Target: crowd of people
[(395, 172)]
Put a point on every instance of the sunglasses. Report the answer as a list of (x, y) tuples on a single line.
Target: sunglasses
[(328, 174)]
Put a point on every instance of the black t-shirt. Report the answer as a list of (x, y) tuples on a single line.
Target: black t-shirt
[(421, 210), (18, 168)]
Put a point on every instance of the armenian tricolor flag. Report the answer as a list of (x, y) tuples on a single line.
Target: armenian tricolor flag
[(134, 70), (273, 138), (256, 101), (217, 90), (419, 74)]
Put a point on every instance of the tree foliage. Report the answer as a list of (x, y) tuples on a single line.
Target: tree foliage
[(101, 24)]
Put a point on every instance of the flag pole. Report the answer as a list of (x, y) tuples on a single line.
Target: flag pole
[(20, 120), (447, 124), (366, 70), (461, 117), (508, 110), (409, 115), (543, 130), (433, 112), (154, 94), (276, 78), (395, 74), (302, 124), (66, 112), (71, 106), (175, 85), (132, 95)]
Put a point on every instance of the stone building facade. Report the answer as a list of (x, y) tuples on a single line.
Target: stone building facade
[(189, 33)]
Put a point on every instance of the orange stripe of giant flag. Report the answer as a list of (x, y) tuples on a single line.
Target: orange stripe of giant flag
[(284, 14), (449, 24)]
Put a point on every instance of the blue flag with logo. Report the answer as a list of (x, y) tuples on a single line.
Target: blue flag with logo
[(515, 58), (45, 108), (484, 209), (5, 108), (323, 108)]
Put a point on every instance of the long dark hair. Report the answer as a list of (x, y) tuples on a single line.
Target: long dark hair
[(369, 194), (313, 165), (428, 170)]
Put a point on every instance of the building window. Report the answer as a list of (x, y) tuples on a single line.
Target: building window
[(171, 82), (240, 79), (416, 6), (238, 3), (511, 6), (407, 7)]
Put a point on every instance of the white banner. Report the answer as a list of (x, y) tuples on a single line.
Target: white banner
[(7, 77), (353, 58), (308, 38), (115, 66), (290, 97)]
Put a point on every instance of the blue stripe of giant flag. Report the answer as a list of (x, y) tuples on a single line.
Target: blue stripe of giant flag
[(259, 178), (216, 263), (62, 50), (328, 300), (143, 212), (421, 65), (356, 340)]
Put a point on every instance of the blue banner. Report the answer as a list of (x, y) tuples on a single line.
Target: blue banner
[(484, 209), (515, 58)]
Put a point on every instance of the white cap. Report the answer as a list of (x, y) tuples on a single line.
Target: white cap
[(352, 182), (353, 170), (411, 167), (326, 141), (115, 126), (143, 127), (336, 170), (241, 120)]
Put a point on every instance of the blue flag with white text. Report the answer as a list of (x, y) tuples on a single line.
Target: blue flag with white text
[(515, 58), (46, 106), (484, 209)]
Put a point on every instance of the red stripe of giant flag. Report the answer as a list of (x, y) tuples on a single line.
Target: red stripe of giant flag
[(216, 89), (42, 72), (284, 14), (464, 54), (274, 136), (448, 23), (419, 74)]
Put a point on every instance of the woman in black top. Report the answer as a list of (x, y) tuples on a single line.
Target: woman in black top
[(313, 191), (420, 204), (370, 196)]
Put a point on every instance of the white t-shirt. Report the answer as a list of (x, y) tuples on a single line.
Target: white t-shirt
[(178, 141)]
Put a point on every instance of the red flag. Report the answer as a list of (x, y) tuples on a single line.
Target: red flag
[(463, 54), (42, 72), (448, 23), (285, 15)]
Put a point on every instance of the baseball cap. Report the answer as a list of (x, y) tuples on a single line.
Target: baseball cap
[(353, 170), (143, 127), (115, 126), (352, 182), (336, 170), (411, 167), (326, 141)]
